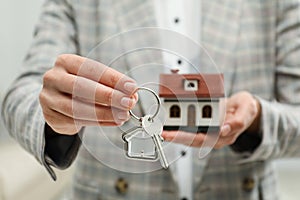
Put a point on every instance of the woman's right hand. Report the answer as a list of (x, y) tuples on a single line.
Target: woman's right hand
[(80, 92)]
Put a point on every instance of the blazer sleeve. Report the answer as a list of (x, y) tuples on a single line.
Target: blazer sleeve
[(55, 34), (280, 121)]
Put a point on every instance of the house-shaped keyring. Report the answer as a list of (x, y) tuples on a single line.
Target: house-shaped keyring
[(191, 101)]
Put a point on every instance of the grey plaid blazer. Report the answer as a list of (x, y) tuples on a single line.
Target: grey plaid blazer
[(254, 43)]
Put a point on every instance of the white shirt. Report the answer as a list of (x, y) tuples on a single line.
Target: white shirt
[(184, 17)]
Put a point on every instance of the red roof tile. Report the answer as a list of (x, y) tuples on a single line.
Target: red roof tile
[(209, 86)]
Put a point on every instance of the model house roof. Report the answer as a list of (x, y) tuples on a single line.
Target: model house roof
[(191, 85)]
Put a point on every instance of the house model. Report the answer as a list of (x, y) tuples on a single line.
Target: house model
[(191, 101)]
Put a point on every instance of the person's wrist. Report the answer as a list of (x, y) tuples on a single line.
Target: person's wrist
[(255, 126), (251, 138)]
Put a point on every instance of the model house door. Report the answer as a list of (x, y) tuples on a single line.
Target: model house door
[(191, 115)]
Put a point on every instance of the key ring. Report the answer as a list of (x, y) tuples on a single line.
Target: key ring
[(158, 105)]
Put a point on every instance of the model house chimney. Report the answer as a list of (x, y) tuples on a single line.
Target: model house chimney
[(174, 71)]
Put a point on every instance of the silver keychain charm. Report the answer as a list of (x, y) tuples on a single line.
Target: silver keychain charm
[(138, 145), (144, 141)]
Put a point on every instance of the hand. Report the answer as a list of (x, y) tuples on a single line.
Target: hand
[(81, 92), (242, 112)]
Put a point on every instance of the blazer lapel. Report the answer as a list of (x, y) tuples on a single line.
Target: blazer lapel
[(140, 52), (135, 14), (220, 29)]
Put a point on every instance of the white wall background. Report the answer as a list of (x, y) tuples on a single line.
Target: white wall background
[(17, 19)]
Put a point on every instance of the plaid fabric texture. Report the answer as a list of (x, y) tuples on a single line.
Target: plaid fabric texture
[(254, 43)]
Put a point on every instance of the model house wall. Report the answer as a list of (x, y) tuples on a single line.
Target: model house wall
[(190, 109), (191, 101)]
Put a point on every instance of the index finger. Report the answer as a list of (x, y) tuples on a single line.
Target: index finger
[(97, 72), (185, 138)]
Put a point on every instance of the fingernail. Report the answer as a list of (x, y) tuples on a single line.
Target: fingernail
[(226, 129), (119, 123), (123, 115), (130, 87), (127, 102), (165, 136)]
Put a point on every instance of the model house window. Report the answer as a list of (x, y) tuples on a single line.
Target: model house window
[(174, 111), (206, 111), (191, 85)]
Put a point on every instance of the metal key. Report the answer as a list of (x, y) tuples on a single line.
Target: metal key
[(154, 128), (146, 148)]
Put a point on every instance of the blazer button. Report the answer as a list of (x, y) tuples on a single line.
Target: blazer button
[(248, 184), (121, 186)]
